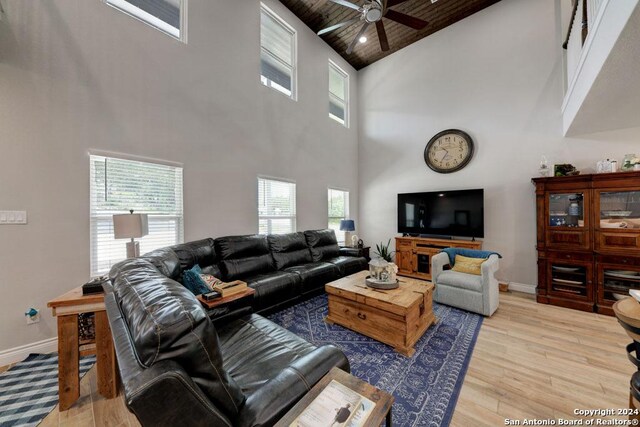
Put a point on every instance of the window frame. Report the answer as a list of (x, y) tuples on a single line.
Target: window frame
[(346, 213), (293, 218), (152, 21), (294, 54), (94, 220), (332, 97)]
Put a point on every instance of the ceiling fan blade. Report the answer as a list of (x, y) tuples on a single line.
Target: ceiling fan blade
[(347, 4), (382, 36), (340, 25), (409, 21), (391, 3), (355, 39)]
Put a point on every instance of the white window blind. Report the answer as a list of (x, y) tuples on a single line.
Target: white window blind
[(277, 53), (338, 210), (118, 185), (168, 16), (276, 206), (338, 94)]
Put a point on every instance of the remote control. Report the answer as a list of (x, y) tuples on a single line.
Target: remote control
[(211, 296)]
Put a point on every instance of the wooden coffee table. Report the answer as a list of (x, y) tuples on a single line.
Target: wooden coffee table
[(397, 317)]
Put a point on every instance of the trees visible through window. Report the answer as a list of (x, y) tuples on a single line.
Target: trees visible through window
[(118, 185), (277, 53), (276, 206), (338, 210)]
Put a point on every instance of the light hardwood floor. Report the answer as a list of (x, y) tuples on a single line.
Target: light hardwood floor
[(530, 361)]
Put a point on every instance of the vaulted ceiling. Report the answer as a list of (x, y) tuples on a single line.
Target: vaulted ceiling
[(320, 14)]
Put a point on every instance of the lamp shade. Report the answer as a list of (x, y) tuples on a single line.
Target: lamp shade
[(128, 226), (347, 225)]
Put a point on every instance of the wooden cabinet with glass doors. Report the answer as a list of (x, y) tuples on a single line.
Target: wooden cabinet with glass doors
[(588, 240)]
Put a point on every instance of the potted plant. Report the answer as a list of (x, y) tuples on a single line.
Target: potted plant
[(632, 163), (383, 251)]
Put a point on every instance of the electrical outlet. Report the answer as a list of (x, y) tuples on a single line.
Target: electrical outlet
[(33, 316)]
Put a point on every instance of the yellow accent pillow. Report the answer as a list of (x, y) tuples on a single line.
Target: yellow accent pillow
[(468, 265)]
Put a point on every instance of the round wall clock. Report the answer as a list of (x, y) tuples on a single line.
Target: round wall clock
[(448, 151)]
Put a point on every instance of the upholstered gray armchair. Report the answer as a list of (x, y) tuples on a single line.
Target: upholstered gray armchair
[(470, 292)]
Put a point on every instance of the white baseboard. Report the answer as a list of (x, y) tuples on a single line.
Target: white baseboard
[(17, 354), (522, 287)]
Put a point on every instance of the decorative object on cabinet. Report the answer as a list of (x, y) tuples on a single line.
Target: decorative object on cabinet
[(449, 151), (565, 169), (589, 254), (544, 167), (629, 161), (413, 254)]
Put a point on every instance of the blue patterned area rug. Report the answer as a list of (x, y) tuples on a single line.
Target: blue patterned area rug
[(29, 390), (425, 386)]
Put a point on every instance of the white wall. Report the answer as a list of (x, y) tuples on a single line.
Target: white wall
[(498, 76), (77, 75)]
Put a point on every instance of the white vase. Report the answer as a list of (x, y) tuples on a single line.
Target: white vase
[(636, 167)]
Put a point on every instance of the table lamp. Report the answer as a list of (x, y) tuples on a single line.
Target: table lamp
[(130, 226), (348, 225)]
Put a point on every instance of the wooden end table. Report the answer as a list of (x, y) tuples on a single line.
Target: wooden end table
[(382, 399), (397, 317), (66, 309), (226, 300)]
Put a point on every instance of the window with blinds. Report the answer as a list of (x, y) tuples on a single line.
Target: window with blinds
[(118, 185), (276, 206), (277, 53), (338, 94), (168, 16), (338, 210)]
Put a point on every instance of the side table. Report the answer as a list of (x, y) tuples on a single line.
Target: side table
[(66, 309), (382, 399), (361, 252), (226, 306)]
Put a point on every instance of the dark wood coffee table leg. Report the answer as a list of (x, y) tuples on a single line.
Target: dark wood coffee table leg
[(389, 417)]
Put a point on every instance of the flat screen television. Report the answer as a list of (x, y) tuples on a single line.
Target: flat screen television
[(442, 213)]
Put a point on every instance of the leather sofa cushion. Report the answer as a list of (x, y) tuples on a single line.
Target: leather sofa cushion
[(289, 249), (315, 275), (166, 261), (455, 279), (243, 256), (199, 252), (273, 288), (322, 243), (256, 350), (166, 322), (348, 264)]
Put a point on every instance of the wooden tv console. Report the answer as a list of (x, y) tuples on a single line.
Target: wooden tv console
[(413, 254)]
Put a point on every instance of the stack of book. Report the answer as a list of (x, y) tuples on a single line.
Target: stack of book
[(231, 288)]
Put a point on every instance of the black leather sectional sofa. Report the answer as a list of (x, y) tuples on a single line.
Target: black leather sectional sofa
[(177, 368)]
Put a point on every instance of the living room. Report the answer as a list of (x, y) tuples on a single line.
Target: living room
[(82, 79)]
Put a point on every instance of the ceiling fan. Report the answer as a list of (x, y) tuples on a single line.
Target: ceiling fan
[(372, 12)]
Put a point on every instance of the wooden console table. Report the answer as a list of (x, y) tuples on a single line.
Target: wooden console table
[(413, 254), (66, 308)]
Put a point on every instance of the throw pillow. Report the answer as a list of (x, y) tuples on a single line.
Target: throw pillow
[(192, 281), (468, 265), (210, 280)]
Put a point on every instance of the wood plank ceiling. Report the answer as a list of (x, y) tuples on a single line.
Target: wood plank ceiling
[(319, 14)]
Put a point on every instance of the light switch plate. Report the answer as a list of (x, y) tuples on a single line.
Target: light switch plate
[(13, 217)]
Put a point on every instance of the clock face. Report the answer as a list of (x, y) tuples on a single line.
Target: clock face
[(449, 151)]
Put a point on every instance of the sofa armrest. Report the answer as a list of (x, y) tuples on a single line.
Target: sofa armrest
[(270, 402), (491, 291), (438, 262), (354, 252), (488, 269)]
